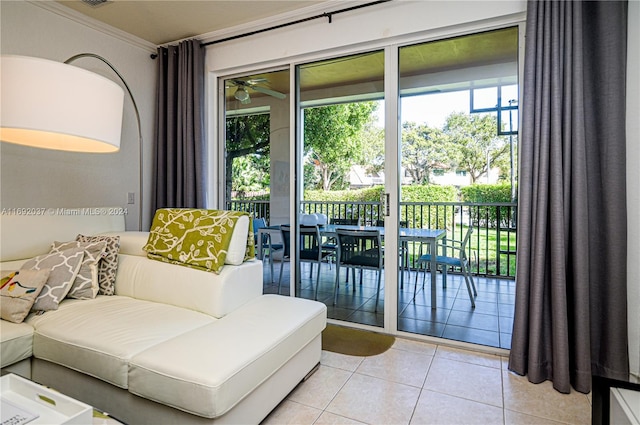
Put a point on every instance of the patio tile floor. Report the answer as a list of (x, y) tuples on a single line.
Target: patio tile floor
[(489, 324)]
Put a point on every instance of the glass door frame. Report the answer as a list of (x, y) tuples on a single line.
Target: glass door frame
[(392, 176), (391, 184), (392, 150)]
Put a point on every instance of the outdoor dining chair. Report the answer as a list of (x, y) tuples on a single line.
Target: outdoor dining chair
[(331, 243), (310, 250), (268, 248), (453, 254), (359, 250), (403, 250)]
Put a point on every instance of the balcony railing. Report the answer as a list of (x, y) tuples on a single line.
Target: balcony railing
[(492, 248)]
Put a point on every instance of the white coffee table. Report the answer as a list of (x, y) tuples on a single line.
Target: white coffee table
[(41, 404)]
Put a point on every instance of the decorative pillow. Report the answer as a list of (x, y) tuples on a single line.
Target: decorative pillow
[(19, 290), (85, 286), (64, 268), (194, 238), (108, 266)]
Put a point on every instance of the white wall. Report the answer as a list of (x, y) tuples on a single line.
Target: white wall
[(38, 178), (426, 19), (633, 183), (32, 177), (385, 22)]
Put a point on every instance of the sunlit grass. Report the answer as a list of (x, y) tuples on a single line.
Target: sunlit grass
[(483, 250)]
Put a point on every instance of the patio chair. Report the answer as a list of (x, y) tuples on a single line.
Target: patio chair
[(362, 250), (454, 254), (259, 223), (403, 251), (331, 244), (310, 250)]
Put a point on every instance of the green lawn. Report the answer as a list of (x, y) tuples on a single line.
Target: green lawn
[(484, 245)]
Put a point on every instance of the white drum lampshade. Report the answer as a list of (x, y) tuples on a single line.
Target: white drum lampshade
[(52, 105)]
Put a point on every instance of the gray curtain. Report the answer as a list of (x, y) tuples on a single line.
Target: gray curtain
[(180, 150), (571, 300)]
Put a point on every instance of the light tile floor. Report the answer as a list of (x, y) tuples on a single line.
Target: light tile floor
[(421, 383)]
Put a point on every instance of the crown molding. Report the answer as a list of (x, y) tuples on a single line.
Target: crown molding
[(94, 24), (324, 7)]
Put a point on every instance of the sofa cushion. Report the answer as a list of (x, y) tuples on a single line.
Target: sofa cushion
[(108, 266), (206, 292), (131, 242), (26, 236), (19, 290), (15, 342), (235, 355), (12, 265), (64, 268), (98, 337)]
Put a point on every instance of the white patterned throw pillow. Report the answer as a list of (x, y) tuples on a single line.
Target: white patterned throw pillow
[(85, 286), (18, 292), (109, 265), (64, 268)]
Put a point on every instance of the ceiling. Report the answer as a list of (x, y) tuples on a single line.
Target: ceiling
[(460, 58), (161, 22), (164, 21)]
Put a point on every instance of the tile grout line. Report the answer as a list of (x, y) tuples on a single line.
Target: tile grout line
[(351, 373)]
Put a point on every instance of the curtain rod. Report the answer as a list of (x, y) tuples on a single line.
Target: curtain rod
[(327, 15)]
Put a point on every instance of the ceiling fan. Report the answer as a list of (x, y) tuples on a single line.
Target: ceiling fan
[(242, 93)]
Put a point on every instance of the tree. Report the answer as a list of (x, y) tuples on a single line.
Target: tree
[(372, 148), (478, 146), (423, 150), (333, 139), (250, 173), (246, 135)]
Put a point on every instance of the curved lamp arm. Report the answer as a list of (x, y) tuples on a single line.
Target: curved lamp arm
[(135, 108)]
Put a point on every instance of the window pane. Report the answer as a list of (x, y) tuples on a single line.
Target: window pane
[(257, 145), (485, 98), (454, 113), (342, 154), (509, 121), (509, 95)]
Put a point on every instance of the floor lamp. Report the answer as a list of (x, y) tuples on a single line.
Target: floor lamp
[(53, 105), (135, 108)]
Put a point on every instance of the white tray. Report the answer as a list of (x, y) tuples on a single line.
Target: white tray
[(50, 406)]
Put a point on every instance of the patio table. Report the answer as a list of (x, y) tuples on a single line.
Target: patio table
[(429, 236)]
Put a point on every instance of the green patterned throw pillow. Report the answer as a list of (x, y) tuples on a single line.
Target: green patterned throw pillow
[(196, 238)]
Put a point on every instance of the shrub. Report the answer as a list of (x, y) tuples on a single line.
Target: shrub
[(488, 193), (370, 194), (368, 213), (435, 216)]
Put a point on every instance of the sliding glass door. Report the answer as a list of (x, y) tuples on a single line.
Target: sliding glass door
[(256, 165), (417, 142), (459, 114), (342, 156)]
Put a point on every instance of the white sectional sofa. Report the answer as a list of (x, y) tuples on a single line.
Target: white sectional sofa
[(173, 345)]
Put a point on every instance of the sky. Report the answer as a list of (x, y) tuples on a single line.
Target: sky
[(434, 108), (431, 109)]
